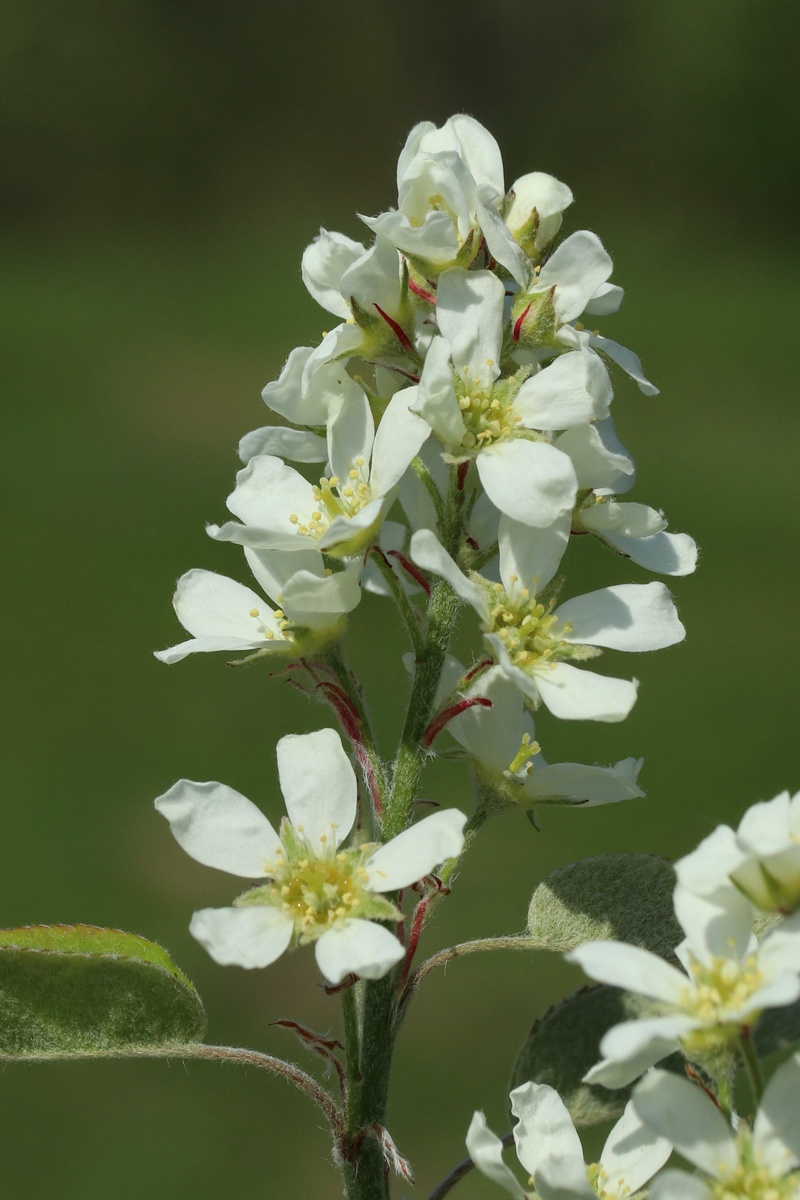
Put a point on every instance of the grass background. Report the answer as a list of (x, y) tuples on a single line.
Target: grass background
[(166, 167)]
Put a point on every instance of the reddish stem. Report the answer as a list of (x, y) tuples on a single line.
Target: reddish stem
[(418, 291), (438, 723), (411, 570), (397, 330)]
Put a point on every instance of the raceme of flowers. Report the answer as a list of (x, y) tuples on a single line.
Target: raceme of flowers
[(461, 343), (452, 434)]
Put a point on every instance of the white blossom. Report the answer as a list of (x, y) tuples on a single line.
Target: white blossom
[(341, 515), (316, 890), (502, 421), (761, 858), (637, 532), (502, 740), (727, 979), (536, 642), (222, 614), (759, 1162), (549, 1149)]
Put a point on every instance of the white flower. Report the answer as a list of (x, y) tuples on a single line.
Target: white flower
[(315, 890), (535, 643), (549, 1149), (222, 614), (728, 978), (342, 515), (760, 1163), (762, 858), (572, 282), (502, 740), (450, 184), (637, 532), (532, 210), (499, 421)]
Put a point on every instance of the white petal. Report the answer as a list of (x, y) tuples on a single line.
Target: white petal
[(776, 1130), (493, 735), (499, 240), (414, 853), (571, 390), (335, 348), (356, 947), (632, 1047), (667, 553), (679, 1185), (531, 555), (435, 397), (217, 610), (632, 968), (600, 461), (316, 602), (208, 645), (427, 552), (220, 828), (298, 445), (682, 1112), (606, 300), (584, 785), (434, 240), (633, 1152), (469, 311), (243, 937), (351, 432), (274, 569), (579, 695), (544, 193), (628, 616), (707, 867), (532, 482), (476, 147), (545, 1132), (577, 267), (323, 264), (629, 362), (486, 1151), (401, 434), (319, 786)]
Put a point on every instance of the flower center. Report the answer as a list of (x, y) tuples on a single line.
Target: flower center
[(527, 628), (607, 1189), (486, 409), (752, 1181), (722, 988), (336, 498), (316, 892)]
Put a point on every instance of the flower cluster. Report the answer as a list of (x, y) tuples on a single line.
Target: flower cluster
[(455, 424)]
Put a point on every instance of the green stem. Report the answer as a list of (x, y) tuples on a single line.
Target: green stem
[(406, 608), (352, 1048), (443, 607), (364, 1167), (752, 1065), (511, 941)]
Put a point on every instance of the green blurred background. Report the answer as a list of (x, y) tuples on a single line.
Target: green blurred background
[(164, 166)]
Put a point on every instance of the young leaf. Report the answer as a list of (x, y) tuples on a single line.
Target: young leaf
[(565, 1043), (627, 897), (76, 990)]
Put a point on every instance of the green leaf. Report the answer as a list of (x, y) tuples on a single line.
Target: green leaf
[(76, 990), (565, 1043), (627, 897)]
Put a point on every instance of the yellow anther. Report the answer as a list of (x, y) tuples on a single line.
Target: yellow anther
[(253, 612), (293, 518)]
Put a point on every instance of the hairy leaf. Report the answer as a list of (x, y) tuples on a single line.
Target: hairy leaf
[(565, 1043), (76, 990), (627, 897)]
